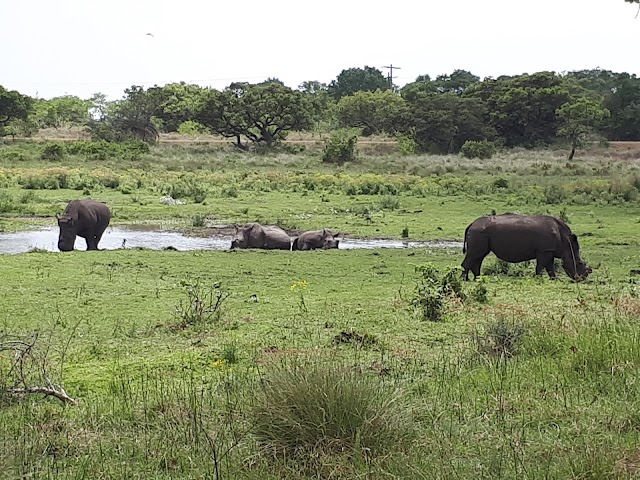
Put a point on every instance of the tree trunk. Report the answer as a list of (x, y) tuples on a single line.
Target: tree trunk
[(573, 150)]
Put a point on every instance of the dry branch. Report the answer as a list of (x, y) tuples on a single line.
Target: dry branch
[(59, 393)]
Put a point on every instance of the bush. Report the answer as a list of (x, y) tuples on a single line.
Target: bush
[(202, 305), (406, 144), (53, 152), (310, 408), (341, 147), (104, 150), (434, 290), (191, 127), (483, 149)]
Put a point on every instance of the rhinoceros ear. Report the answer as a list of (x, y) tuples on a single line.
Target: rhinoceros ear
[(58, 216), (336, 234)]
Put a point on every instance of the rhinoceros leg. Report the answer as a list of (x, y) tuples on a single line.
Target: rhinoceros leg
[(92, 243), (477, 249), (544, 261), (473, 264)]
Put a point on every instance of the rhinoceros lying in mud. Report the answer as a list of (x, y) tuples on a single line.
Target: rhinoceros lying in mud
[(517, 238), (261, 236), (322, 239), (83, 218)]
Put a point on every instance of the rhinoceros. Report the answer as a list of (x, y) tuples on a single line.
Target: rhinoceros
[(83, 218), (261, 236), (517, 238), (323, 239)]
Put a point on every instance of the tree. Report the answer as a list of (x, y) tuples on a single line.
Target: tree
[(13, 106), (457, 82), (321, 104), (130, 118), (99, 106), (579, 118), (374, 112), (623, 100), (62, 112), (178, 103), (422, 85), (352, 80), (262, 113), (522, 109), (443, 123)]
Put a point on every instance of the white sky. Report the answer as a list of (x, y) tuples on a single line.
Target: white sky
[(79, 47)]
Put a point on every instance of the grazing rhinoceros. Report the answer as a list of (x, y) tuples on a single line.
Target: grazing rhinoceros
[(83, 218), (261, 236), (517, 238), (323, 239)]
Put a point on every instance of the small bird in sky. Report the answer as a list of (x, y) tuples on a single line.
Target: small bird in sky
[(150, 34)]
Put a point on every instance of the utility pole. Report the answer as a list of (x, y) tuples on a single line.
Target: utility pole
[(390, 76)]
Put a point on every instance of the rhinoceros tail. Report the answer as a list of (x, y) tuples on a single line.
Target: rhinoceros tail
[(464, 243)]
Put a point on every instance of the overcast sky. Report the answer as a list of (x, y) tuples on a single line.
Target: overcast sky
[(79, 47)]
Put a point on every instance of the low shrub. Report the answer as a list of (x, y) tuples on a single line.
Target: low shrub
[(483, 149), (434, 290), (53, 152), (341, 147)]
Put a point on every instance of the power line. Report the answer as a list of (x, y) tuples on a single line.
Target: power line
[(390, 76)]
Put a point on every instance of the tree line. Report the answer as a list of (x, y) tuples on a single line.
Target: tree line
[(438, 115)]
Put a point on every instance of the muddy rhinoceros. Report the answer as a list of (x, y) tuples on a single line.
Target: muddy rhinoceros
[(517, 238), (83, 218), (261, 236), (322, 239)]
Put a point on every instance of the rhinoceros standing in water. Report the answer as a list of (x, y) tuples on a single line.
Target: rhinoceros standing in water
[(84, 218), (517, 238), (322, 239), (261, 236)]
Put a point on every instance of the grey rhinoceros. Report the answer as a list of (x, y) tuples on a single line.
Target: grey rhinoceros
[(261, 236), (517, 238), (316, 239), (83, 218)]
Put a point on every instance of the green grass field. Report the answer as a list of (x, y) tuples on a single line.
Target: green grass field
[(316, 364)]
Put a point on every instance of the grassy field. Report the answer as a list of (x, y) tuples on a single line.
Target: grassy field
[(261, 364)]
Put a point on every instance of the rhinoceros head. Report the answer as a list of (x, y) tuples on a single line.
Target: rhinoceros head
[(329, 239), (575, 267), (68, 229), (241, 238)]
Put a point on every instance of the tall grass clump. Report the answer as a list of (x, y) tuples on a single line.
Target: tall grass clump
[(500, 339), (310, 409)]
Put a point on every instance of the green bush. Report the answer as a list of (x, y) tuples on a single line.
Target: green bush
[(191, 127), (53, 152), (312, 408), (483, 149), (104, 150), (434, 290), (406, 144), (341, 147)]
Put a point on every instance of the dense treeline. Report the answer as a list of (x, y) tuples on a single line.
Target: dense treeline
[(436, 115)]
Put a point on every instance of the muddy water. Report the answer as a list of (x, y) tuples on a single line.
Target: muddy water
[(120, 237)]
